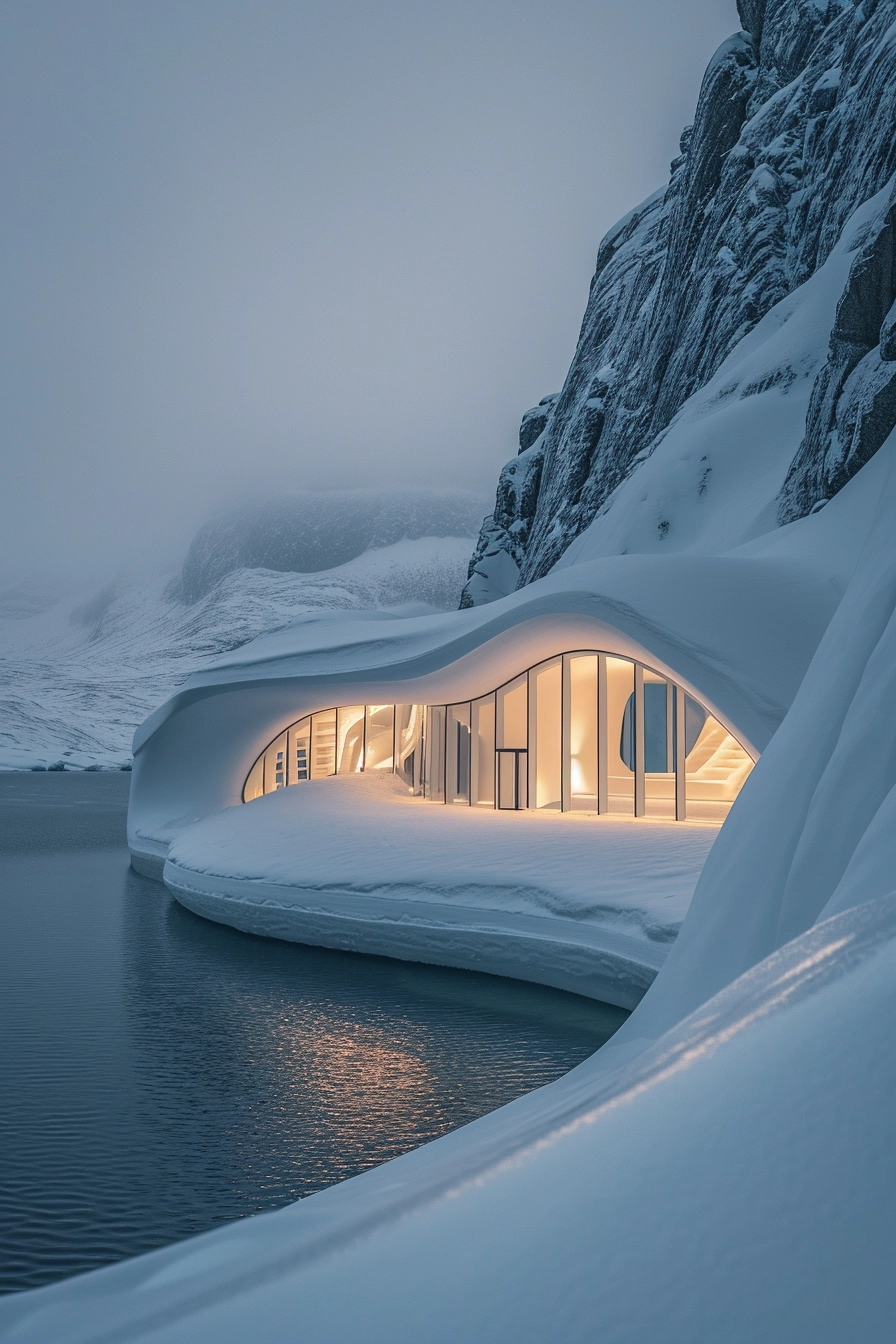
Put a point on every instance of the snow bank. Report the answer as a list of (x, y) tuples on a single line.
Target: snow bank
[(582, 903), (809, 832)]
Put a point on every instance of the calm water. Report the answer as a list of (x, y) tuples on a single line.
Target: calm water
[(162, 1074)]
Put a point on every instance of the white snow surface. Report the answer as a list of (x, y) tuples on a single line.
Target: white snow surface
[(585, 904), (79, 673)]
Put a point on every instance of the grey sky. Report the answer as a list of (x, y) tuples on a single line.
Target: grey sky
[(251, 246)]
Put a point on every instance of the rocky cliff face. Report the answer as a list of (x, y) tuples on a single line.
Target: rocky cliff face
[(795, 129)]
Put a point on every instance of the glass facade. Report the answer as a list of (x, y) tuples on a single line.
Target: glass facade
[(349, 740), (379, 737), (546, 735), (482, 751), (458, 753), (580, 719), (409, 745), (619, 747), (584, 731)]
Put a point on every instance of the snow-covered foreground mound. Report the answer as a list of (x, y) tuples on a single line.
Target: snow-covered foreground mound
[(79, 675), (733, 1183), (584, 904)]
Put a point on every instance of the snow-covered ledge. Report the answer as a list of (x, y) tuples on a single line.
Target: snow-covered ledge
[(585, 904)]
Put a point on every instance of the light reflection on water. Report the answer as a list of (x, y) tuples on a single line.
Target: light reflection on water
[(163, 1074)]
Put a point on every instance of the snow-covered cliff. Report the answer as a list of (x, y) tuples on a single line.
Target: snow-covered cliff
[(794, 133)]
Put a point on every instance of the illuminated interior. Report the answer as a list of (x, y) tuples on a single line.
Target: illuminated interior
[(582, 732)]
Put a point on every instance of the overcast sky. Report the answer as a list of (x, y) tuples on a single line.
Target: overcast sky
[(249, 245)]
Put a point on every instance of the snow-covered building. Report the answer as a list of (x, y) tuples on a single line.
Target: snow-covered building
[(632, 686), (405, 785)]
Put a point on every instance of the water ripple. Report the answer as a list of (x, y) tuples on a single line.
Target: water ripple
[(163, 1074)]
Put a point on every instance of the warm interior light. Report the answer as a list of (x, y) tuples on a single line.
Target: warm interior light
[(582, 731)]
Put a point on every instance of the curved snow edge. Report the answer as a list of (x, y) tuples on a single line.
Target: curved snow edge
[(598, 963), (149, 863)]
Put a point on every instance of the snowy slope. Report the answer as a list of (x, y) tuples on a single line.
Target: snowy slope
[(813, 829), (77, 676)]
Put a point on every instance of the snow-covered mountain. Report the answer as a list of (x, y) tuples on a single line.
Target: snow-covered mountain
[(306, 534), (737, 359), (78, 674)]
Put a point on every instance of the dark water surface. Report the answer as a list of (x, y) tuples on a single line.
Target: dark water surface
[(160, 1074)]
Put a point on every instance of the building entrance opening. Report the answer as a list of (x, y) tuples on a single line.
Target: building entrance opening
[(513, 778)]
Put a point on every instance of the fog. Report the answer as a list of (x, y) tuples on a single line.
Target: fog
[(253, 247)]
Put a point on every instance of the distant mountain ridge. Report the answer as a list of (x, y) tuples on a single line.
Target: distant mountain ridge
[(795, 129), (320, 530), (77, 676)]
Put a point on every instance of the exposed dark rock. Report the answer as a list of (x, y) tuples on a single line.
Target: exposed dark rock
[(853, 406), (795, 128), (494, 567), (534, 421)]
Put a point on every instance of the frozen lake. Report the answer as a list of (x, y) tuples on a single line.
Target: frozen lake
[(163, 1074)]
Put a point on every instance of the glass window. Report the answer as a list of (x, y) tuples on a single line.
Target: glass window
[(513, 714), (545, 754), (350, 739), (378, 753), (482, 765), (581, 732), (273, 764), (435, 753), (716, 765), (659, 756), (409, 741), (299, 751), (620, 735), (323, 744), (255, 783), (457, 755)]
